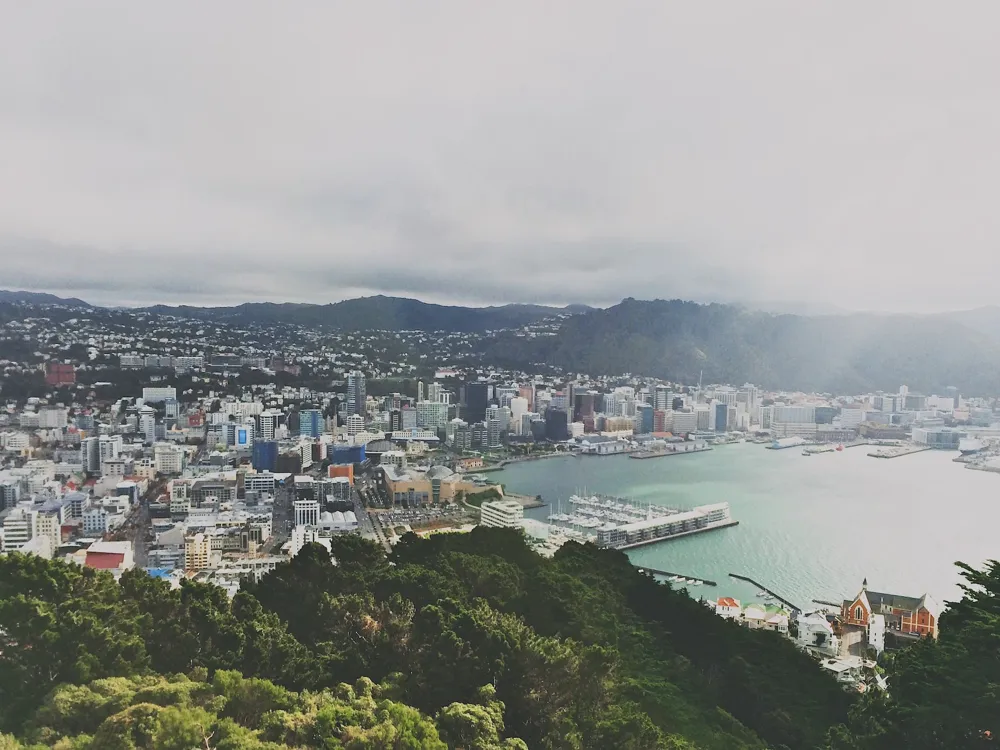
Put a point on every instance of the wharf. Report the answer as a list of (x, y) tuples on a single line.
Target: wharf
[(764, 588), (668, 574), (902, 450), (654, 540), (526, 501), (662, 453)]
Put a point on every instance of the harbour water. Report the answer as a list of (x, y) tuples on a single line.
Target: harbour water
[(810, 527)]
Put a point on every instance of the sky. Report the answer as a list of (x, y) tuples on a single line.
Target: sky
[(820, 155)]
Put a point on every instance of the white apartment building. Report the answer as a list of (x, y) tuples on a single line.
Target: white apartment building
[(685, 422), (241, 409), (15, 442), (52, 417), (432, 414), (147, 423), (95, 521), (154, 395), (168, 458), (501, 513), (801, 414), (267, 424), (48, 525), (355, 424), (18, 528)]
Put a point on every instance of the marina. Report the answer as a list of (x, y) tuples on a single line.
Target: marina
[(677, 578), (616, 523), (781, 501)]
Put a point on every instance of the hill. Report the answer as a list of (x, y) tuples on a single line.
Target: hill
[(470, 638), (40, 298), (375, 313), (844, 353)]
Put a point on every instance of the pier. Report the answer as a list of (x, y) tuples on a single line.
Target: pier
[(667, 574), (764, 588), (902, 450)]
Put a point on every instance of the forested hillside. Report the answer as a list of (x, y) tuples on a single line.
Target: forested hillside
[(469, 640), (680, 340)]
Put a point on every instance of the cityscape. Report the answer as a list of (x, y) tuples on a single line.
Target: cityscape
[(149, 441), (505, 376)]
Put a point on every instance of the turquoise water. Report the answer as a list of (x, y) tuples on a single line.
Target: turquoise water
[(810, 527)]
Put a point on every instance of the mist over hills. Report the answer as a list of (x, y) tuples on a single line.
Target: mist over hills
[(673, 339)]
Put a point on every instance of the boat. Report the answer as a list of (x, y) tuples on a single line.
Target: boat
[(840, 447), (969, 446)]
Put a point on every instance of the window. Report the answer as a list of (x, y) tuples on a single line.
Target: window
[(859, 613)]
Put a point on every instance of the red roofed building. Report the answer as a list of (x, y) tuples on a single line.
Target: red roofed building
[(114, 556), (729, 608)]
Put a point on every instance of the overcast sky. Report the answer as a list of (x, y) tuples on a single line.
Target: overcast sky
[(837, 154)]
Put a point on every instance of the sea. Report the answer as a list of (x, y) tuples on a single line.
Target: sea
[(811, 528)]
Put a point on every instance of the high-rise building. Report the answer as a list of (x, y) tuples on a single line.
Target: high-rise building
[(356, 393), (721, 416), (147, 424), (265, 455), (476, 400), (355, 423), (311, 423), (643, 419), (556, 424), (583, 406), (90, 455), (518, 408), (421, 391), (493, 433), (168, 458), (267, 425), (431, 414)]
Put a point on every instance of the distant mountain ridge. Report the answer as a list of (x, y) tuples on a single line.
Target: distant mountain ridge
[(40, 298), (376, 313), (684, 341)]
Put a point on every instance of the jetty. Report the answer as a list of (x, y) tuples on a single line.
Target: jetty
[(900, 450), (668, 574), (764, 588)]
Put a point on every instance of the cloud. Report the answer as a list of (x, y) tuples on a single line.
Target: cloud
[(563, 152)]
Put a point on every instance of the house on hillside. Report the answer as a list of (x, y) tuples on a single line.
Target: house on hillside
[(815, 633), (908, 615), (728, 608)]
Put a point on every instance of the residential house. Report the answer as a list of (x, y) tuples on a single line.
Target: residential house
[(815, 633), (729, 608)]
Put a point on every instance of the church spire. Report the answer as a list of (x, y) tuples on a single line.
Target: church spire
[(864, 584)]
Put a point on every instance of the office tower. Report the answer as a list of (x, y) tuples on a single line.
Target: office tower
[(147, 423), (395, 420), (583, 406), (556, 424), (493, 433), (267, 425), (518, 408), (311, 423), (265, 455), (421, 391), (476, 400), (90, 455), (356, 393), (408, 418), (643, 419), (721, 416)]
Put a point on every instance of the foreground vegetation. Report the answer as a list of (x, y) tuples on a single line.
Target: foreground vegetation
[(461, 640)]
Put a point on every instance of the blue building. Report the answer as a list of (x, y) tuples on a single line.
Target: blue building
[(346, 454), (265, 455), (721, 417), (311, 423), (644, 421)]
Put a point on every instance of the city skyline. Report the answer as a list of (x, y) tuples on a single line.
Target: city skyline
[(774, 154)]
